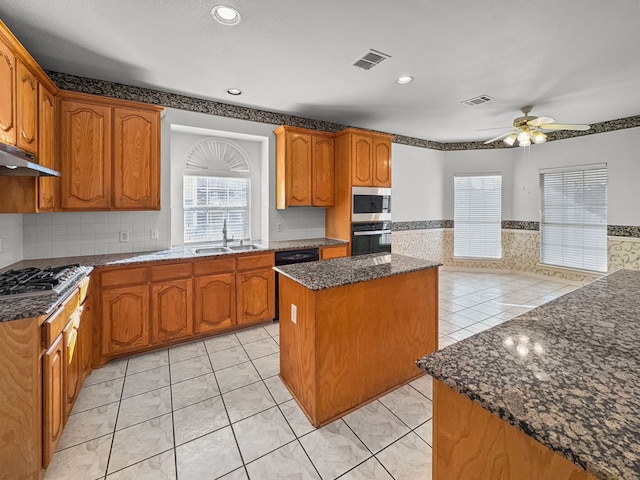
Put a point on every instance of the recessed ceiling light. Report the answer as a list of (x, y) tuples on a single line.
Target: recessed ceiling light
[(234, 91), (226, 15), (405, 79)]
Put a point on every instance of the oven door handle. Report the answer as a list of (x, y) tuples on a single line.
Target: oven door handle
[(375, 232)]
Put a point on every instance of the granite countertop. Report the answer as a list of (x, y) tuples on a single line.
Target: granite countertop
[(347, 270), (36, 305), (566, 373)]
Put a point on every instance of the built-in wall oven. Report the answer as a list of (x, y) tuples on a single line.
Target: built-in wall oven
[(370, 204), (370, 237)]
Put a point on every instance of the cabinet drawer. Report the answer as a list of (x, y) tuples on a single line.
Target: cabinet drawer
[(212, 267), (334, 252), (125, 276), (53, 326), (170, 272), (250, 262)]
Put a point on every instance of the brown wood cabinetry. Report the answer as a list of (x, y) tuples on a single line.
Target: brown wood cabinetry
[(85, 338), (85, 155), (256, 296), (54, 399), (27, 108), (304, 168), (370, 160), (110, 154), (125, 319), (215, 305), (72, 359), (46, 147), (381, 162), (334, 251), (171, 310), (7, 93)]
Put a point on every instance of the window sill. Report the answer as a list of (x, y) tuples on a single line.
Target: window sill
[(479, 259), (569, 269)]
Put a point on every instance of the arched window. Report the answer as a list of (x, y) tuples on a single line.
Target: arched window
[(217, 187)]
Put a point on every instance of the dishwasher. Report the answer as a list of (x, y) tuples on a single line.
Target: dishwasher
[(288, 257)]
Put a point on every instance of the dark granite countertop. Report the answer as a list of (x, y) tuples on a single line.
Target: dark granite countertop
[(347, 270), (566, 373), (37, 305)]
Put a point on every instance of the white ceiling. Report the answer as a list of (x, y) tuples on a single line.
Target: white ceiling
[(575, 60)]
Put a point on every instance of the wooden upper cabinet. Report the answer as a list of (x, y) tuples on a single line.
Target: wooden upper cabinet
[(7, 94), (381, 162), (171, 310), (323, 171), (85, 156), (305, 168), (125, 319), (215, 302), (361, 166), (46, 147), (27, 108), (136, 159)]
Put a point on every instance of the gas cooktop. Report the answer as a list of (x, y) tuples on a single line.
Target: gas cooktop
[(36, 281)]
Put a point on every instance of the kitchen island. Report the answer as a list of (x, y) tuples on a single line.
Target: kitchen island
[(552, 394), (351, 329)]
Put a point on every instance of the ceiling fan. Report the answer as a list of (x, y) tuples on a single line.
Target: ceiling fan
[(527, 129)]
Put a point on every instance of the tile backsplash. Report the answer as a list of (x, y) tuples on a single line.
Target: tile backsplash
[(11, 238), (92, 233)]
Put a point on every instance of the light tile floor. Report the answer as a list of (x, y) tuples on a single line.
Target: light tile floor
[(216, 409)]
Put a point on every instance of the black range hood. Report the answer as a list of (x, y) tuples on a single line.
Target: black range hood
[(17, 162)]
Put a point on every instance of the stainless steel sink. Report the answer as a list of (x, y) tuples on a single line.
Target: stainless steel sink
[(245, 248), (210, 250)]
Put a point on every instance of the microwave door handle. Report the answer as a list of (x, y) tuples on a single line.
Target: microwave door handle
[(375, 232)]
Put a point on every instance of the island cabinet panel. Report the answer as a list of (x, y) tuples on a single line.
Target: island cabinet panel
[(7, 94), (125, 319), (323, 171), (215, 303), (256, 296), (361, 166), (46, 147), (471, 443), (136, 159), (85, 155), (27, 111), (171, 310), (381, 162), (54, 397)]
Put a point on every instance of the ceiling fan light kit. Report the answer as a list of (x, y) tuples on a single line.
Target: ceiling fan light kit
[(526, 129)]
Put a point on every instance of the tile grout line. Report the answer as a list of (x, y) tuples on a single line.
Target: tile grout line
[(115, 423)]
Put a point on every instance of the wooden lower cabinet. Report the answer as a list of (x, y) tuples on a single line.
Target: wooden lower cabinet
[(125, 319), (72, 362), (85, 337), (256, 296), (54, 398), (171, 310), (215, 305)]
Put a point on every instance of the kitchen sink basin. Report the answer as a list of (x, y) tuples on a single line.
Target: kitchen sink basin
[(210, 250), (245, 248)]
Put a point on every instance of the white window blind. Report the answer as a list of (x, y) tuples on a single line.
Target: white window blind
[(477, 216), (574, 218), (208, 201)]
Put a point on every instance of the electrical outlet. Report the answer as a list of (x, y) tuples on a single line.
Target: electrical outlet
[(124, 236), (155, 234), (279, 227), (1, 245), (294, 313)]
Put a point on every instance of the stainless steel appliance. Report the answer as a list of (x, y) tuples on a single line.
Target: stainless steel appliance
[(370, 237), (17, 162), (36, 281), (370, 204), (288, 257)]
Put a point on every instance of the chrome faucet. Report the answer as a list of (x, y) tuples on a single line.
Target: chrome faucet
[(224, 233)]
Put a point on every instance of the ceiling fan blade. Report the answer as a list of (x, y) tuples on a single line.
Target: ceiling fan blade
[(536, 122), (499, 137), (493, 128), (564, 126)]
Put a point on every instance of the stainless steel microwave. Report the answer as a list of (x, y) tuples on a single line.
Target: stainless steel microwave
[(370, 204)]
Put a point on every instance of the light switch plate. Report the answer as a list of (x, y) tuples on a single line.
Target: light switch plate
[(1, 245), (294, 313), (124, 236), (155, 234)]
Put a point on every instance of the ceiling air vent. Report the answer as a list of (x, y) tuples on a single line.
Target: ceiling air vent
[(370, 59), (472, 102)]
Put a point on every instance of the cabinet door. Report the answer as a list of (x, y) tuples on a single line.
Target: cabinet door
[(27, 108), (298, 169), (7, 95), (46, 147), (215, 303), (54, 398), (72, 364), (171, 310), (361, 167), (323, 172), (136, 159), (85, 338), (381, 163), (125, 319), (85, 153), (256, 296)]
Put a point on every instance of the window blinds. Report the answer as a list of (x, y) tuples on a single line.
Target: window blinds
[(477, 216), (208, 201), (574, 218)]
